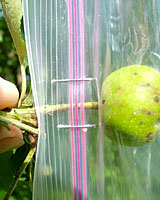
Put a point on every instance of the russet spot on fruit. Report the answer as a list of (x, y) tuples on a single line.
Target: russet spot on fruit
[(130, 101)]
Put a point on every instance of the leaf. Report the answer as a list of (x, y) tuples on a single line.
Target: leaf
[(5, 125), (18, 164), (18, 157), (22, 191), (25, 61), (9, 165), (1, 36), (26, 138), (12, 11), (17, 115), (6, 173), (28, 101), (2, 194)]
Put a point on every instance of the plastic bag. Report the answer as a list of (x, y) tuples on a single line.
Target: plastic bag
[(72, 46), (61, 38), (132, 37)]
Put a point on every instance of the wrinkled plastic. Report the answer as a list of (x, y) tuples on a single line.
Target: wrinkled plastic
[(132, 36), (62, 45), (88, 39)]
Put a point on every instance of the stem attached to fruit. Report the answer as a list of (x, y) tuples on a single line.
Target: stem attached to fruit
[(26, 119)]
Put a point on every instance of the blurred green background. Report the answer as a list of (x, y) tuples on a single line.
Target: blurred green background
[(10, 70), (9, 64)]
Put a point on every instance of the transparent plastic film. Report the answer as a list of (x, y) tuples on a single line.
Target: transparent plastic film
[(78, 52), (62, 39), (131, 32)]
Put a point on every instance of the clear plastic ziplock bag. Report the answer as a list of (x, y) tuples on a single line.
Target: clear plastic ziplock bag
[(63, 51), (133, 38), (72, 47)]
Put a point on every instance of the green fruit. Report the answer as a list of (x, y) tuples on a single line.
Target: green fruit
[(130, 102)]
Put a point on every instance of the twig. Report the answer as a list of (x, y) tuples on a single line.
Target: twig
[(50, 109), (16, 116), (19, 124)]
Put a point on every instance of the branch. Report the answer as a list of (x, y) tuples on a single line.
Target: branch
[(17, 123), (16, 116), (50, 109)]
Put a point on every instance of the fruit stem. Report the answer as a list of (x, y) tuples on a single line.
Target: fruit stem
[(26, 119)]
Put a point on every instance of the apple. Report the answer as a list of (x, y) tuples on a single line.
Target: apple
[(130, 105)]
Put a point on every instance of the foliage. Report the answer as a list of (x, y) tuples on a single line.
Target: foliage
[(8, 57), (11, 161)]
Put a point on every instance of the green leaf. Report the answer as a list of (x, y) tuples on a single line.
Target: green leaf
[(27, 140), (1, 36), (22, 191), (28, 101), (2, 194), (25, 62), (9, 165), (5, 125), (18, 157), (6, 173)]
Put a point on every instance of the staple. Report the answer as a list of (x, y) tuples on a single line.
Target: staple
[(73, 80), (77, 126)]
